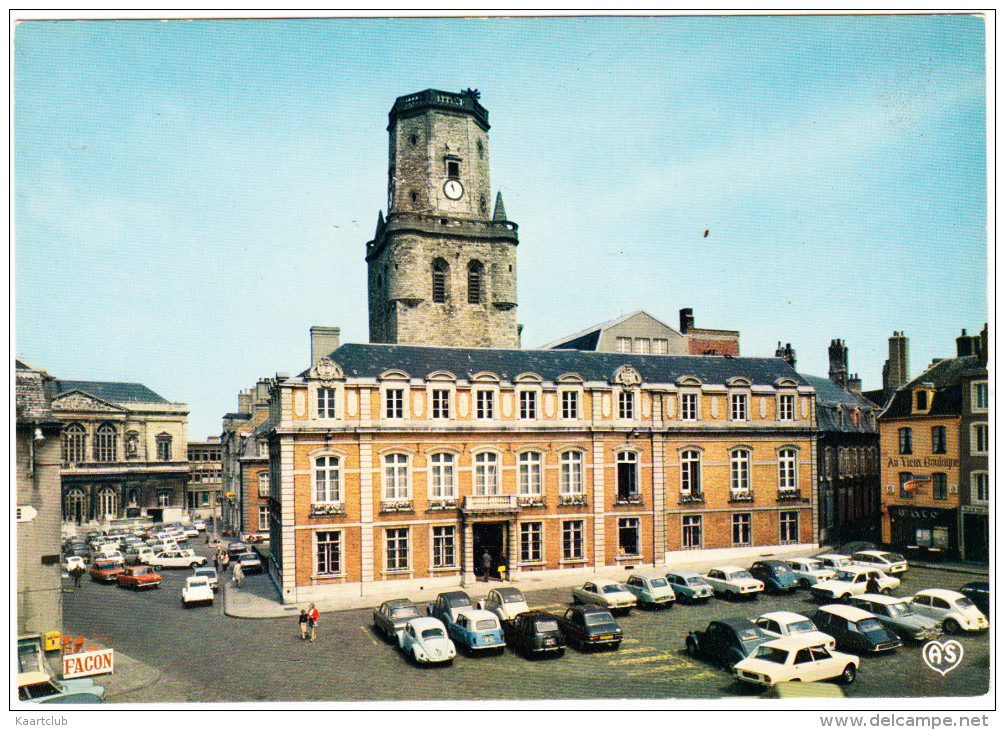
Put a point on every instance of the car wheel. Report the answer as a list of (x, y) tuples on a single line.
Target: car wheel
[(804, 583), (157, 567), (951, 626), (848, 675), (735, 658), (193, 564), (843, 598), (691, 646)]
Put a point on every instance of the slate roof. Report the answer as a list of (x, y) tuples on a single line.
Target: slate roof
[(371, 360), (30, 397), (586, 339), (831, 396), (113, 392), (948, 397)]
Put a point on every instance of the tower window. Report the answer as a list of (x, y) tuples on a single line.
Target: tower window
[(414, 196), (414, 139), (440, 270), (481, 149), (475, 271), (453, 168), (482, 204)]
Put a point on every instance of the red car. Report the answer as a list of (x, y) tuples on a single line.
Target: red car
[(105, 571), (138, 576)]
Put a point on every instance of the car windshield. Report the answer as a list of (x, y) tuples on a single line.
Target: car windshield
[(840, 561), (771, 654), (405, 612), (614, 588), (546, 625), (141, 571), (657, 582), (738, 575), (105, 564), (198, 583), (845, 575), (801, 627), (900, 608), (892, 557), (245, 557), (208, 572), (598, 619), (455, 601), (964, 602), (869, 624), (486, 624), (782, 568), (433, 633), (751, 634), (696, 581), (512, 597)]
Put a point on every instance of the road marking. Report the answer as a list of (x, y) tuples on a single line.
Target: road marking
[(366, 631), (641, 659)]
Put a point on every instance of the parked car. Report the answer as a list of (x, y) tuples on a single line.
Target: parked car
[(105, 570), (447, 605), (138, 554), (73, 561), (809, 571), (36, 685), (199, 525), (795, 659), (852, 581), (236, 548), (190, 530), (780, 624), (731, 581), (609, 594), (854, 629), (855, 546), (980, 593), (138, 576), (506, 603), (955, 611), (651, 589), (176, 559), (390, 617), (889, 563), (834, 561), (534, 633), (424, 640), (250, 563), (208, 572), (474, 630), (590, 626), (77, 550), (726, 641), (776, 576), (896, 614), (690, 587), (197, 590)]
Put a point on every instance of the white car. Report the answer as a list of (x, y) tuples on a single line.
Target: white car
[(852, 581), (795, 659), (190, 530), (889, 563), (954, 610), (505, 603), (208, 572), (424, 640), (73, 561), (732, 581), (809, 570), (196, 590), (780, 624), (199, 525), (176, 559), (834, 561), (609, 594)]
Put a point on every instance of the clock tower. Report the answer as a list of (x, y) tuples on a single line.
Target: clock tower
[(442, 265)]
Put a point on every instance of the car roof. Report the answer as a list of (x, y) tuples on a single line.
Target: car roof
[(799, 641), (396, 602), (477, 614), (426, 622), (583, 608), (941, 593), (737, 623), (536, 613), (876, 553), (783, 616), (879, 598), (650, 574), (455, 594), (821, 556), (977, 585), (204, 569), (195, 579), (604, 582), (852, 613), (727, 568), (509, 591), (684, 574), (770, 561)]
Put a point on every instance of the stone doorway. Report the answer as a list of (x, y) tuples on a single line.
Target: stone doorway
[(490, 537)]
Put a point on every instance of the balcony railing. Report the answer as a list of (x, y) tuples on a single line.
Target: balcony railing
[(745, 495), (400, 505), (531, 501), (698, 498), (491, 503), (328, 508), (790, 495)]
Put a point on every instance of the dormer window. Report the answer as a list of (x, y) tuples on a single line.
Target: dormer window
[(922, 396)]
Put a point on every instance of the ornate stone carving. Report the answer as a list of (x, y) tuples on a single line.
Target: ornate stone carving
[(299, 403), (627, 376), (77, 401), (326, 370)]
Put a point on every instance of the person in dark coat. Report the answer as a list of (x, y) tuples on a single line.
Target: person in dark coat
[(486, 565), (872, 585)]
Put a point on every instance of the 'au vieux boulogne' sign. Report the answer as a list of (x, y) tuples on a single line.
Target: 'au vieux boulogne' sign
[(930, 462)]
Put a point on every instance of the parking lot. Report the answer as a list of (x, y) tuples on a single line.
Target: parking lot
[(220, 658)]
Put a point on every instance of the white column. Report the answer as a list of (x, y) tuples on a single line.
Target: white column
[(468, 571), (598, 501), (366, 527)]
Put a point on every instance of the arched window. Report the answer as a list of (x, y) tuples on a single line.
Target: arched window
[(440, 277), (787, 469), (690, 472), (571, 473), (108, 503), (529, 463), (441, 476), (486, 473), (74, 444), (75, 506), (106, 443), (475, 275), (327, 480), (739, 470), (628, 475), (396, 484)]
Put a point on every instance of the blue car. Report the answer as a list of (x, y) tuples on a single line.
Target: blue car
[(475, 630), (447, 605), (776, 576), (690, 587)]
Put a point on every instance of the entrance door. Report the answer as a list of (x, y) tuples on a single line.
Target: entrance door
[(488, 537), (976, 540)]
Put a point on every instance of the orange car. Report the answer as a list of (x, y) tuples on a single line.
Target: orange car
[(138, 576), (105, 571)]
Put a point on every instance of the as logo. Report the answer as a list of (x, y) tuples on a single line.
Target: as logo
[(942, 657)]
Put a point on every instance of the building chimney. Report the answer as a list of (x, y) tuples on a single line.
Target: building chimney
[(324, 341), (686, 321), (968, 344), (838, 354), (982, 356), (895, 372), (244, 402), (854, 383), (786, 353)]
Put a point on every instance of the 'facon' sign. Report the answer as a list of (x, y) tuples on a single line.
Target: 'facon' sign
[(97, 661)]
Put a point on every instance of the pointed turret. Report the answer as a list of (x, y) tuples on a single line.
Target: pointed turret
[(500, 211), (380, 223)]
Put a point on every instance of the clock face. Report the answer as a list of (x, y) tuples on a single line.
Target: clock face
[(453, 189)]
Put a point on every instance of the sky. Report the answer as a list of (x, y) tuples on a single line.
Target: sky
[(191, 196)]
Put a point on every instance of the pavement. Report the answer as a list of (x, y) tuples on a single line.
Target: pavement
[(262, 599)]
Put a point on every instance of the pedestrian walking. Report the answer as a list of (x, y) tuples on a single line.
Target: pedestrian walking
[(486, 565), (872, 585), (238, 574), (502, 566), (312, 619), (224, 562), (304, 621), (77, 573), (216, 561)]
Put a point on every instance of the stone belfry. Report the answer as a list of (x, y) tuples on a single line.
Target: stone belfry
[(442, 265)]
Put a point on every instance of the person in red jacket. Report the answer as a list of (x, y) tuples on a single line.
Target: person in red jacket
[(312, 619)]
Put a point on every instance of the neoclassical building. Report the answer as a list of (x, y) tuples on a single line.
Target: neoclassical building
[(124, 451), (407, 463)]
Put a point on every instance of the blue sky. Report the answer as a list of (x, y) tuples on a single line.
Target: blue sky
[(190, 197)]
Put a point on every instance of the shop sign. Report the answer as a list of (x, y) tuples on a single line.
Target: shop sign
[(917, 512), (87, 663)]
